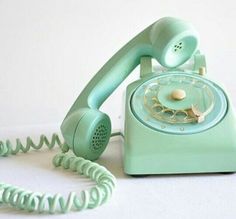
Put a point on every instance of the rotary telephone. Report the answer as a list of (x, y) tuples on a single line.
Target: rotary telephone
[(176, 121)]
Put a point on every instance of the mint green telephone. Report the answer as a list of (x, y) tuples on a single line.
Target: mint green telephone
[(158, 40), (175, 120)]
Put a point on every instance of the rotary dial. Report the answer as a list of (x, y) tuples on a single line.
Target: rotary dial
[(179, 103)]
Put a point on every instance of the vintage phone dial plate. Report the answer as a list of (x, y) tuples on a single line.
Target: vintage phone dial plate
[(179, 103)]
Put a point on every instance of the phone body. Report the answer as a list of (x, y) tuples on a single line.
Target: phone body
[(152, 147)]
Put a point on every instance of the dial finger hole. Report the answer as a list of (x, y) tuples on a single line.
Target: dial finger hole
[(151, 88), (165, 81), (181, 115), (198, 84), (168, 113), (157, 108)]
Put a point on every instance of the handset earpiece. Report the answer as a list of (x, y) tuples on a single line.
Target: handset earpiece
[(174, 41), (87, 130)]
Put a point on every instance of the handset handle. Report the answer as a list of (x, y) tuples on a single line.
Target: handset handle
[(171, 41), (111, 75)]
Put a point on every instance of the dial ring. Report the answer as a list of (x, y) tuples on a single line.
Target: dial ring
[(215, 98)]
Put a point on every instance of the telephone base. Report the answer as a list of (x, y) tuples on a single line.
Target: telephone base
[(148, 151)]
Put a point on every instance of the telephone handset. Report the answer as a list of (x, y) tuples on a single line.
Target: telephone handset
[(85, 128), (175, 120)]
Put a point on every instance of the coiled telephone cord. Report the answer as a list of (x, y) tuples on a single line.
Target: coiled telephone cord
[(42, 202)]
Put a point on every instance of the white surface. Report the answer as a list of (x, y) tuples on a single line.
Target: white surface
[(49, 51)]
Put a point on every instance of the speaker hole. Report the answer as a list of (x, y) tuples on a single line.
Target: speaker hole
[(99, 137)]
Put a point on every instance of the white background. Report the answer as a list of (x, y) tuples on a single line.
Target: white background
[(48, 52)]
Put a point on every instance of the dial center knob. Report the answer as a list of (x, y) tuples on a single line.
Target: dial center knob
[(178, 94)]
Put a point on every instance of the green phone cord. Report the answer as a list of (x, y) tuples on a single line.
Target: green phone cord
[(41, 202)]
